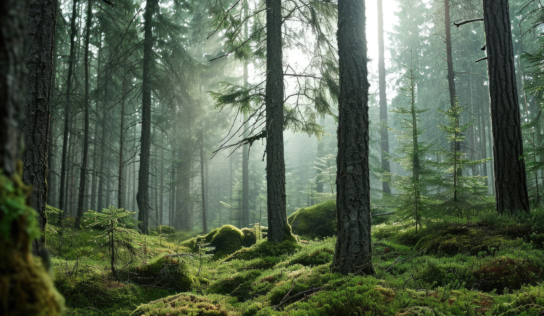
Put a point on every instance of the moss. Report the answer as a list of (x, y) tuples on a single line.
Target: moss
[(265, 249), (27, 288), (238, 285), (249, 237), (471, 238), (418, 311), (316, 221), (184, 304), (315, 258), (167, 272), (227, 240), (507, 273)]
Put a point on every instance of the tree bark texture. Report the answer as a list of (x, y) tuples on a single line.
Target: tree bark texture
[(384, 133), (353, 252), (41, 24), (245, 149), (121, 173), (143, 174), (64, 162), (278, 228), (510, 178), (86, 123)]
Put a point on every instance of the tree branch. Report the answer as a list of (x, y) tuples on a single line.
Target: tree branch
[(458, 24)]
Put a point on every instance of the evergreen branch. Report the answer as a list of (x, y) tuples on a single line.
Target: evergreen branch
[(223, 20), (243, 43)]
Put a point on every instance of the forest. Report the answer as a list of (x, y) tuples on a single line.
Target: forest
[(271, 157)]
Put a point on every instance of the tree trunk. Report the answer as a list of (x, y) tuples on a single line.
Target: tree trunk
[(510, 177), (245, 151), (96, 168), (353, 252), (64, 162), (203, 184), (85, 158), (320, 154), (41, 24), (278, 228), (383, 100), (143, 175), (121, 184)]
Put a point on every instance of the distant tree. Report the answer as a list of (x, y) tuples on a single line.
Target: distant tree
[(353, 253)]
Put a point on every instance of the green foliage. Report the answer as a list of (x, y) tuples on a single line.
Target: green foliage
[(316, 221)]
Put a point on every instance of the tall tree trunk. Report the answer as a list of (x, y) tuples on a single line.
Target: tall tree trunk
[(384, 135), (203, 184), (96, 169), (320, 154), (41, 24), (510, 178), (143, 175), (353, 252), (245, 156), (121, 175), (278, 228), (85, 158), (64, 162), (101, 169)]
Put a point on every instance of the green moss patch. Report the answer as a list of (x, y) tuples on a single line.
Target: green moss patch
[(184, 304), (238, 285), (507, 273), (166, 272), (471, 238), (226, 240), (265, 249), (316, 221)]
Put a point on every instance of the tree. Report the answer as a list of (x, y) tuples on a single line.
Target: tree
[(510, 178), (143, 181), (278, 228), (41, 25), (353, 253), (384, 135), (86, 123)]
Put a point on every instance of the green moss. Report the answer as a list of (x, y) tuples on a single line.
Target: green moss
[(226, 240), (265, 249), (507, 273), (238, 285), (316, 221), (315, 258), (249, 237), (184, 304), (167, 272)]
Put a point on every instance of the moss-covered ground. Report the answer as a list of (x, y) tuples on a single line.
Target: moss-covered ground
[(485, 265)]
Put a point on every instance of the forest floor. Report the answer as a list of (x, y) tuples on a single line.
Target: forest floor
[(482, 266)]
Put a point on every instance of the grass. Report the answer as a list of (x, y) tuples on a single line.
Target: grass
[(483, 265)]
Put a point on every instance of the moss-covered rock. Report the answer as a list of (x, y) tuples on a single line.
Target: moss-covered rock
[(226, 239), (165, 271), (316, 221), (250, 238), (471, 238), (265, 249), (184, 304)]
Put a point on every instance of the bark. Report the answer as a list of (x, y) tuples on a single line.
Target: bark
[(203, 184), (96, 170), (320, 154), (100, 173), (121, 175), (278, 228), (510, 178), (245, 149), (142, 196), (41, 24), (85, 158), (64, 162), (384, 135), (353, 253)]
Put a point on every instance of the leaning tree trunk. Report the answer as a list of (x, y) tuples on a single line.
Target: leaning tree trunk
[(353, 252), (384, 135), (510, 178), (41, 24), (64, 162), (278, 228), (27, 288), (142, 196), (85, 158)]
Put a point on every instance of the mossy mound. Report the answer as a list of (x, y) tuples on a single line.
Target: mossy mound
[(508, 273), (26, 288), (316, 221), (265, 249), (183, 304), (315, 258), (471, 238), (238, 285), (226, 240), (165, 271), (162, 229)]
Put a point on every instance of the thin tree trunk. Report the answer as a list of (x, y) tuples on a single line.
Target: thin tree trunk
[(384, 135), (41, 24), (143, 175), (64, 162), (510, 177), (278, 228), (121, 184), (245, 157), (96, 169), (85, 158), (320, 154), (203, 184), (353, 253)]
